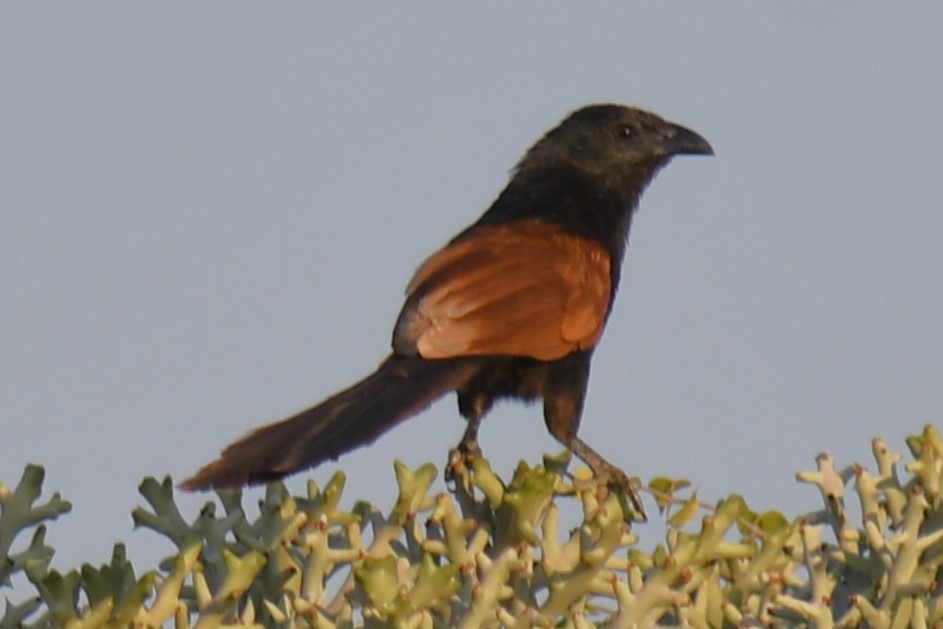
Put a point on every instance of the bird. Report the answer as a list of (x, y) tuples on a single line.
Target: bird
[(511, 308)]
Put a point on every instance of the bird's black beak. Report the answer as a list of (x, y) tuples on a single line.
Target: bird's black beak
[(680, 140)]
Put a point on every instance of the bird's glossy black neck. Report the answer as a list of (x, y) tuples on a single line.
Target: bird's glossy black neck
[(576, 201)]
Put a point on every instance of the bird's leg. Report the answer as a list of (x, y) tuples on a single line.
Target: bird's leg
[(468, 446), (605, 471), (562, 412), (467, 449)]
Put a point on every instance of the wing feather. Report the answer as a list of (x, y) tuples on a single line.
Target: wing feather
[(523, 288)]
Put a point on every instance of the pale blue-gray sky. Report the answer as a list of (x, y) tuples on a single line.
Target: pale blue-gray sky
[(208, 213)]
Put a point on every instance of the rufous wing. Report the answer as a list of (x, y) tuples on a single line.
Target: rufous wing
[(522, 288)]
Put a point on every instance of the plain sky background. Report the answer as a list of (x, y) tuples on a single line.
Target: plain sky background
[(209, 212)]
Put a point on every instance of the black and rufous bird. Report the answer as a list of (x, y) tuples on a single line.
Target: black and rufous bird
[(512, 307)]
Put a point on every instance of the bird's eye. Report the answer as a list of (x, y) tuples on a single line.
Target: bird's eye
[(626, 132)]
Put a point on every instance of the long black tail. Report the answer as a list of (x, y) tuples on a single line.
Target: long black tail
[(399, 388)]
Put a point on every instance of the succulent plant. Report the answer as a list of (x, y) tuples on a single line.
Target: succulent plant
[(493, 553)]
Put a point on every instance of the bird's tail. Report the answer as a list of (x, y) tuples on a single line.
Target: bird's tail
[(401, 387)]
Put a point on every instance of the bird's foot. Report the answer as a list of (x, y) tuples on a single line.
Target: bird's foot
[(460, 459), (612, 478)]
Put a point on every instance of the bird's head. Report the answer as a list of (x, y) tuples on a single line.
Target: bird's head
[(615, 142)]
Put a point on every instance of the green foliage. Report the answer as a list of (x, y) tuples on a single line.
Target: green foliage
[(493, 554)]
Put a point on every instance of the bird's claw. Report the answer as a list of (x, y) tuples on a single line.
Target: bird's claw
[(606, 480), (460, 459)]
